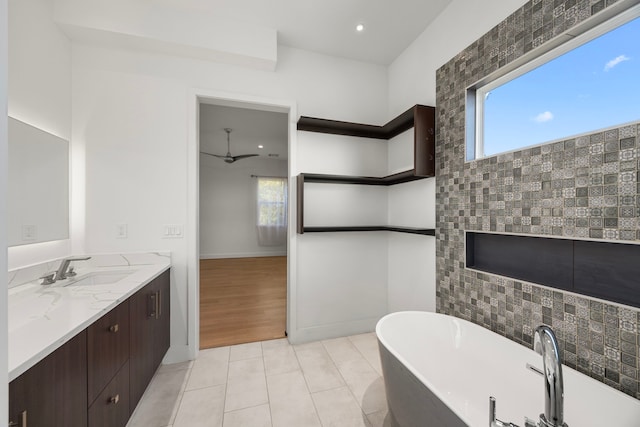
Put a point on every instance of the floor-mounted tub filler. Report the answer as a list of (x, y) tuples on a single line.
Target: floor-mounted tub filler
[(442, 371)]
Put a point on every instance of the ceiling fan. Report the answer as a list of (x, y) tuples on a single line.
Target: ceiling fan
[(228, 157)]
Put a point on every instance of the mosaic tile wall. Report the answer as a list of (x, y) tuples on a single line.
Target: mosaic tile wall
[(584, 187)]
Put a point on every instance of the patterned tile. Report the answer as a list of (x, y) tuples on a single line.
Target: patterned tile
[(583, 187)]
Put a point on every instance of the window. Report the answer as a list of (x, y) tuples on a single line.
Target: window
[(587, 84), (271, 215)]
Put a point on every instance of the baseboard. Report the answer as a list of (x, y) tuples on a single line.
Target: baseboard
[(177, 354), (244, 255), (334, 330)]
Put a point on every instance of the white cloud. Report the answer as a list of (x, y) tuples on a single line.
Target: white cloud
[(543, 117), (615, 61)]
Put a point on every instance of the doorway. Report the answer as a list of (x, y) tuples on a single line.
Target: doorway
[(243, 207)]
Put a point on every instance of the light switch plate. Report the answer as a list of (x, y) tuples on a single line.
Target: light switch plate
[(173, 231), (121, 231), (29, 233)]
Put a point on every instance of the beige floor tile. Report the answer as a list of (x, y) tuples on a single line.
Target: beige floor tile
[(367, 344), (341, 350), (319, 370), (209, 369), (247, 385), (279, 359), (160, 401), (246, 368), (257, 416), (333, 383), (290, 401), (275, 343), (366, 384), (379, 419), (217, 353), (201, 408), (245, 351), (338, 408)]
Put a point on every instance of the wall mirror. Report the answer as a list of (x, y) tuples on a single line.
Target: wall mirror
[(38, 193)]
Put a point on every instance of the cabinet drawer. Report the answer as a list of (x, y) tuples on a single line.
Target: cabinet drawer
[(111, 408), (107, 349)]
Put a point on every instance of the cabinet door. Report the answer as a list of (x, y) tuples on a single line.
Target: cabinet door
[(149, 314), (142, 319), (162, 328), (107, 348), (53, 393)]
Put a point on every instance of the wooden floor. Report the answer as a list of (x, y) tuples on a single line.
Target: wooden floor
[(242, 300)]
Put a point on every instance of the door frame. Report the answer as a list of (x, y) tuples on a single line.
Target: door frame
[(196, 97)]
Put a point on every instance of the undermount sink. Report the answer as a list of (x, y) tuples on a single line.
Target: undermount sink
[(101, 278)]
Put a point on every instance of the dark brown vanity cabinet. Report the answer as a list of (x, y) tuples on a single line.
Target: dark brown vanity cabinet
[(53, 393), (107, 354), (149, 340), (97, 378)]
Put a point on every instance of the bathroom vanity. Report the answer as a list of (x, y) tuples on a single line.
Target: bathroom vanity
[(83, 350)]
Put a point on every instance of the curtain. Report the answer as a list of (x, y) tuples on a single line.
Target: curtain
[(271, 218)]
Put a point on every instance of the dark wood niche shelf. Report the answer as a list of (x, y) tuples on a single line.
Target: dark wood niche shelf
[(419, 117), (408, 230)]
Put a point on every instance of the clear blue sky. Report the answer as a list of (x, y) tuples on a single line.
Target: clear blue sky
[(592, 87)]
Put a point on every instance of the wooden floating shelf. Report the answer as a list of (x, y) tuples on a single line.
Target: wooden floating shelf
[(397, 178), (419, 117), (395, 127), (409, 230)]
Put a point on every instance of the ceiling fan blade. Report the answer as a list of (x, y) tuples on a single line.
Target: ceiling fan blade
[(214, 155), (244, 156)]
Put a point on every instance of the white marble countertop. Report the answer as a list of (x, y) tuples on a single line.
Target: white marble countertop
[(43, 317)]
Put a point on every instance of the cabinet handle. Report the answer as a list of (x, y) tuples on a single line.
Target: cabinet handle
[(159, 304), (154, 305), (115, 399), (114, 328), (23, 415)]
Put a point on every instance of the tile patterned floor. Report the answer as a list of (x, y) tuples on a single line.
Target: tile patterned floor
[(332, 383)]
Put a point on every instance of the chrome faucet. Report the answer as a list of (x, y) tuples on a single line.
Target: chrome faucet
[(493, 421), (62, 273), (546, 344)]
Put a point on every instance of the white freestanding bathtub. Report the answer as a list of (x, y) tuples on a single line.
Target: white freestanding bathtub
[(440, 371)]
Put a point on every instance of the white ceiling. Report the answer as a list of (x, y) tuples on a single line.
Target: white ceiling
[(328, 26), (324, 26), (250, 128)]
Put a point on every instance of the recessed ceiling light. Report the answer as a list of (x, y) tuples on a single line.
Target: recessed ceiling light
[(360, 28), (260, 146)]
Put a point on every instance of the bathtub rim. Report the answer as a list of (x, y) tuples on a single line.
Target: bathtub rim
[(443, 397)]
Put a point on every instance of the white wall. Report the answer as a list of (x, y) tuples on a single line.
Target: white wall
[(342, 277), (4, 327), (130, 115), (228, 207), (412, 258), (412, 80), (412, 76), (39, 92)]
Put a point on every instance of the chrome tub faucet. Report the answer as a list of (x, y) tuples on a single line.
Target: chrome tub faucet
[(545, 343)]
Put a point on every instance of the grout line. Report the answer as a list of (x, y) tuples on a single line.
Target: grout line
[(266, 386), (346, 384), (304, 377)]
